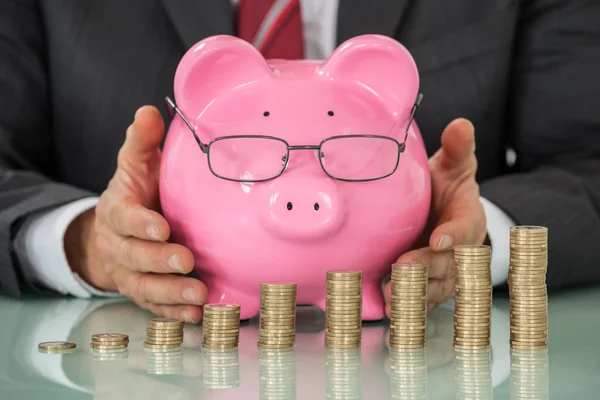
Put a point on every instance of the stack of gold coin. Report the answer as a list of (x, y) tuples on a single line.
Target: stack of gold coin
[(221, 326), (407, 369), (473, 374), (277, 373), (343, 373), (473, 297), (109, 342), (164, 361), (343, 308), (164, 333), (58, 347), (527, 287), (529, 374), (221, 368), (408, 316), (277, 329)]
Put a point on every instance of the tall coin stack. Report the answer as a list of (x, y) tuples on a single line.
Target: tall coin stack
[(473, 297), (277, 326), (343, 308), (221, 326), (164, 333), (221, 368), (408, 317), (473, 374), (408, 373), (527, 287), (343, 374), (529, 374), (277, 373)]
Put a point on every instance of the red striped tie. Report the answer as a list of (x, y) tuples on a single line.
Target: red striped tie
[(274, 27)]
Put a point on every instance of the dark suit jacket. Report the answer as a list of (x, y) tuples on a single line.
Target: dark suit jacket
[(526, 72)]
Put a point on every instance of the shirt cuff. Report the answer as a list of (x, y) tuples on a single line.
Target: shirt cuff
[(498, 229), (43, 235)]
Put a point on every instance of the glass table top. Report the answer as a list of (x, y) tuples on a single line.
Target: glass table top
[(569, 369)]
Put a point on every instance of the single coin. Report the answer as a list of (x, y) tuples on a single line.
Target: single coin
[(58, 345)]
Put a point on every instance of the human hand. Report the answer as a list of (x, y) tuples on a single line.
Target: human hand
[(456, 216), (121, 245)]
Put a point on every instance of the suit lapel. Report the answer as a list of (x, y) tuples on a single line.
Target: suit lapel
[(359, 17), (195, 20)]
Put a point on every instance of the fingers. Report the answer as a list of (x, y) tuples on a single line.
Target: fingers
[(143, 136), (439, 291), (158, 257), (466, 225), (128, 217), (167, 289), (440, 264), (458, 143), (186, 313)]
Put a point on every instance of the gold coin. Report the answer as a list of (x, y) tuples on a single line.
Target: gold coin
[(109, 337), (107, 347), (57, 345), (165, 322), (343, 275)]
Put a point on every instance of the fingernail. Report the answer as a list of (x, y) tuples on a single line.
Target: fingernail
[(190, 295), (152, 231), (175, 263), (444, 243)]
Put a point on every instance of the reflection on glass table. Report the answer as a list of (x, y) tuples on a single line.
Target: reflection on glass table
[(308, 371)]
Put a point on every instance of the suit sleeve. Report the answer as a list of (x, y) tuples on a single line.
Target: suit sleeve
[(555, 131), (26, 154)]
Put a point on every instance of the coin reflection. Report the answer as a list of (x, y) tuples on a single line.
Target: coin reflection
[(277, 373), (343, 373), (164, 361), (473, 374), (529, 374), (407, 369), (221, 368)]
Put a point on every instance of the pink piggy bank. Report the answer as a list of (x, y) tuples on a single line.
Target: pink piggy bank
[(278, 171)]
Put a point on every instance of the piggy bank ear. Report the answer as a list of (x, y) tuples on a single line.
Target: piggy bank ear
[(213, 66), (382, 65)]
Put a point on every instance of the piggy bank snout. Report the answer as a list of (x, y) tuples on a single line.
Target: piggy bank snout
[(301, 207)]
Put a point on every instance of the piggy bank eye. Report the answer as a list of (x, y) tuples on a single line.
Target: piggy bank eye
[(330, 113), (266, 113)]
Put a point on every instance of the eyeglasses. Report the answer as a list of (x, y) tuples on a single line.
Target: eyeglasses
[(260, 158)]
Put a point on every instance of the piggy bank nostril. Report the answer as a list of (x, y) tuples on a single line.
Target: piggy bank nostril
[(289, 205), (316, 206)]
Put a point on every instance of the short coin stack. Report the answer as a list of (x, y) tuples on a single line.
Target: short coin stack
[(473, 297), (527, 287), (164, 333), (343, 319), (58, 347), (103, 343), (221, 368), (408, 317), (277, 326), (343, 374), (529, 374), (473, 374), (277, 373), (408, 373), (221, 326)]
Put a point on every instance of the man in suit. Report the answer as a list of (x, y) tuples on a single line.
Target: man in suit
[(523, 74)]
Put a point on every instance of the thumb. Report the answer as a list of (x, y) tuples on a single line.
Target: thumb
[(458, 145), (143, 136)]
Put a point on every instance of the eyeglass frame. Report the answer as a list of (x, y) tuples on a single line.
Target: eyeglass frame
[(172, 109)]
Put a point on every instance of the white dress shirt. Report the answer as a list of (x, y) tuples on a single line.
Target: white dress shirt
[(44, 232)]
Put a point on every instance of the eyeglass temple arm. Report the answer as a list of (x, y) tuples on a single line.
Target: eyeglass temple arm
[(171, 106), (412, 118)]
